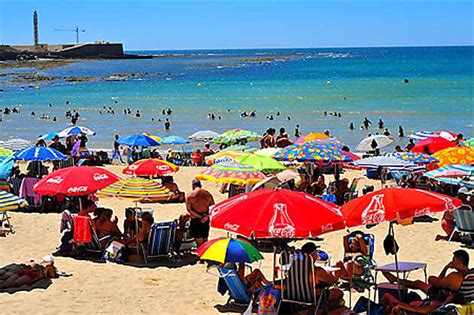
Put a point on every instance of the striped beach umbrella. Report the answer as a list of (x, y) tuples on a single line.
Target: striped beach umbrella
[(455, 155), (156, 138), (38, 153), (452, 171), (76, 130), (236, 135), (229, 250), (136, 189), (11, 202), (469, 142), (232, 173)]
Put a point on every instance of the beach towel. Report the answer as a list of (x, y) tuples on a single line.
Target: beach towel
[(26, 189), (82, 229), (269, 300)]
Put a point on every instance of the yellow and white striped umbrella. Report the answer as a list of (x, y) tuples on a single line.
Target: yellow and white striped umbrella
[(11, 202), (136, 189)]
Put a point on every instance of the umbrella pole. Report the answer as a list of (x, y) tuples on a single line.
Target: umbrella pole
[(80, 204), (274, 263), (136, 230), (392, 231)]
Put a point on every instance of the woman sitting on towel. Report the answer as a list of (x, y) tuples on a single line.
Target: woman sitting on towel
[(15, 276), (356, 256)]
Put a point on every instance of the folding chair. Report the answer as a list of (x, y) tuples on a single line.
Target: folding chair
[(5, 224), (161, 240), (238, 293), (296, 269), (464, 218), (352, 193)]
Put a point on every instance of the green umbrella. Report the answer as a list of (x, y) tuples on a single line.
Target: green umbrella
[(261, 162)]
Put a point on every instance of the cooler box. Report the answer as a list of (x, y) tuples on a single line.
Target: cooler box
[(392, 289)]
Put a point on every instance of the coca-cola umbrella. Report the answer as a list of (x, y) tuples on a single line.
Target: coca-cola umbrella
[(276, 213), (432, 145), (75, 181), (390, 204)]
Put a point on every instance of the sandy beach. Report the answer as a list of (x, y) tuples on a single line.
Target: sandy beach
[(170, 288)]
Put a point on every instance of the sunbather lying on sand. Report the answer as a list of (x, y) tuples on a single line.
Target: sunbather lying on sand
[(17, 275)]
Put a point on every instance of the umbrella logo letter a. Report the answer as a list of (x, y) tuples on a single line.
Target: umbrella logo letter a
[(281, 224), (375, 211)]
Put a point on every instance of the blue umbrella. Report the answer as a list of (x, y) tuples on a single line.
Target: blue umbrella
[(48, 136), (75, 130), (138, 140), (174, 140), (38, 154), (6, 166)]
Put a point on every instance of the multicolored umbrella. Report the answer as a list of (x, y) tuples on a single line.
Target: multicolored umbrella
[(236, 135), (151, 167), (432, 145), (75, 181), (240, 148), (455, 155), (232, 173), (138, 140), (380, 141), (390, 162), (311, 137), (261, 162), (390, 204), (228, 250), (312, 152), (5, 152), (276, 213), (413, 157), (38, 153), (224, 157), (10, 201), (76, 130), (156, 138), (136, 189)]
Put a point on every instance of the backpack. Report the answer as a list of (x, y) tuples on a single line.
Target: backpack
[(269, 300)]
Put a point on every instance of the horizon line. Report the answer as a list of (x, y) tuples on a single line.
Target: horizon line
[(322, 47)]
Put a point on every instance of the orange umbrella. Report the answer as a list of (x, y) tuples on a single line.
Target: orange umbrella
[(455, 155), (311, 137)]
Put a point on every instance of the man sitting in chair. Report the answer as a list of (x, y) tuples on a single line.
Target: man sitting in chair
[(177, 196), (451, 281)]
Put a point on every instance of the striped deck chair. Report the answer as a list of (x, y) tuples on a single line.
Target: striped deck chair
[(467, 290), (238, 293), (297, 268), (464, 218), (161, 239), (97, 244)]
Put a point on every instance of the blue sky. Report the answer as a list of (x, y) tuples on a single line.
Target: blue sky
[(196, 24)]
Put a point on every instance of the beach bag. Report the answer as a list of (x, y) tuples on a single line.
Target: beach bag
[(114, 252), (363, 306), (269, 300)]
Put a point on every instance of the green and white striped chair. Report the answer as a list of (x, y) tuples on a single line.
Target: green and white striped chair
[(464, 218)]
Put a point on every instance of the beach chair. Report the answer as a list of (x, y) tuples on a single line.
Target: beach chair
[(296, 269), (238, 293), (5, 225), (464, 218), (96, 246), (366, 280), (467, 291), (352, 193), (161, 240)]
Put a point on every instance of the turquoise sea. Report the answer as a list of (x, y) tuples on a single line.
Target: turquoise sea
[(364, 82)]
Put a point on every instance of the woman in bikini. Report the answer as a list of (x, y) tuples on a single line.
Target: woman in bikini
[(26, 274)]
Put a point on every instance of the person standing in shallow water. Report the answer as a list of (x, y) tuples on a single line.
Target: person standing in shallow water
[(401, 133), (167, 124)]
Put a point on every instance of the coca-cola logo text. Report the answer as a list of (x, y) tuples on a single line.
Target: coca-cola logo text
[(99, 176), (77, 189), (231, 227), (281, 225), (375, 211), (54, 180)]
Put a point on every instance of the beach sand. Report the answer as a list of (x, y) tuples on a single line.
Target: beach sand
[(113, 288)]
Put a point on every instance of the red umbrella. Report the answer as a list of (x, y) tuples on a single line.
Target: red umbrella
[(276, 213), (150, 167), (75, 181), (432, 145), (392, 203)]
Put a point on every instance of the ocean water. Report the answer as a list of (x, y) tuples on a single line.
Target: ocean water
[(364, 82)]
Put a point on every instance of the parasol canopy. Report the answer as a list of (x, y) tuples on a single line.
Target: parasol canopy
[(374, 142), (136, 189), (75, 130), (236, 135), (203, 135), (311, 137), (229, 250), (39, 154), (9, 201), (232, 173), (455, 155), (151, 167), (432, 145), (261, 162)]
